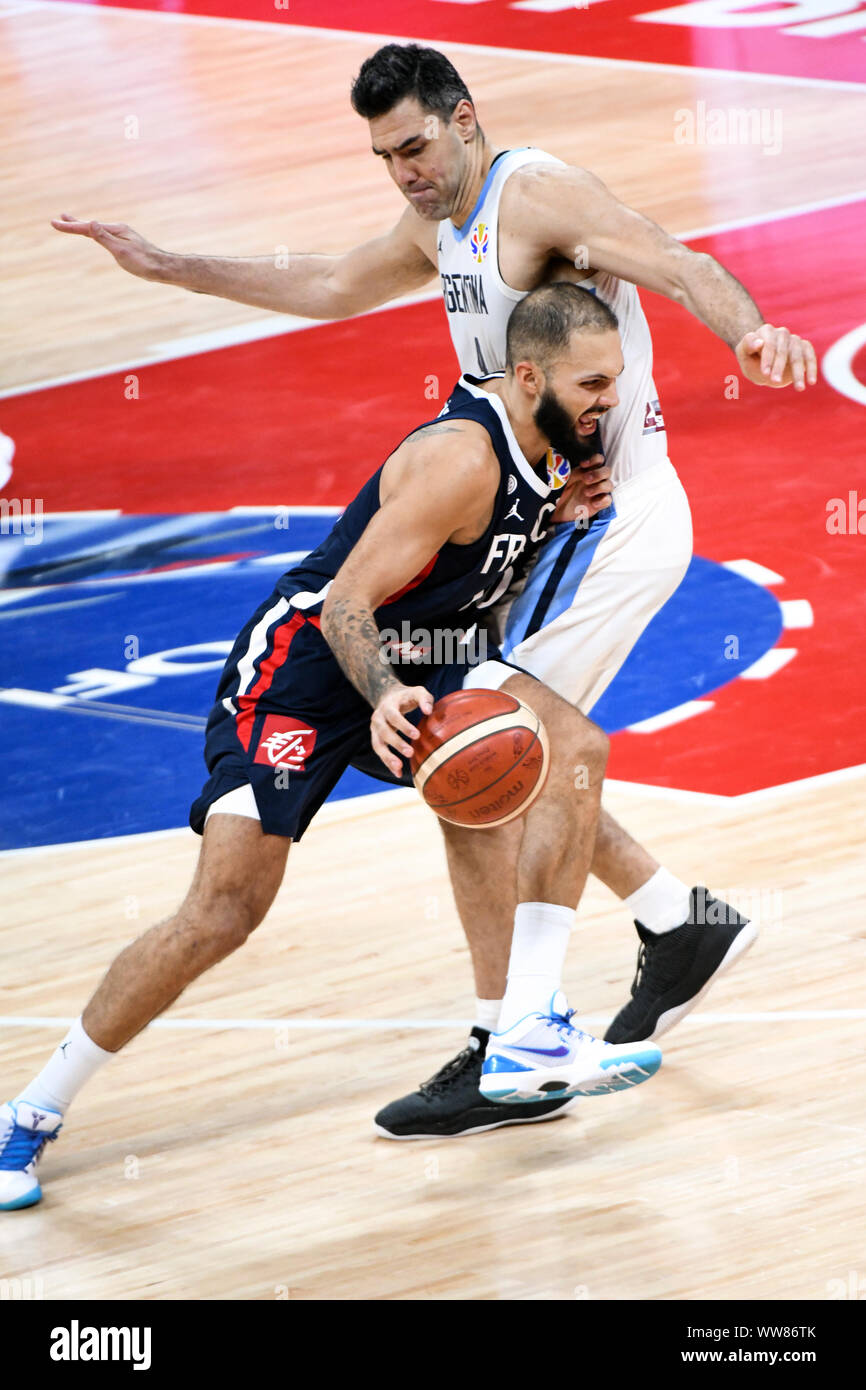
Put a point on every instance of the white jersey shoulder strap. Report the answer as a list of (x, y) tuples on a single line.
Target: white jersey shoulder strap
[(478, 302)]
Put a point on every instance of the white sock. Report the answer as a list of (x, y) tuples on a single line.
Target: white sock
[(541, 933), (661, 904), (74, 1062), (487, 1013)]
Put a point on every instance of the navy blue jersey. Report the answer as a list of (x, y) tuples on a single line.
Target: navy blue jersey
[(457, 578)]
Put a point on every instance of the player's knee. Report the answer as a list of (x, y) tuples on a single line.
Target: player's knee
[(593, 748), (576, 740), (220, 919)]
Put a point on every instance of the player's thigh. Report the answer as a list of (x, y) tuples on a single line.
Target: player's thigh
[(239, 869), (574, 739)]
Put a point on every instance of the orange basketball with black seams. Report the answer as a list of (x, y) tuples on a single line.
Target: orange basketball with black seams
[(481, 759)]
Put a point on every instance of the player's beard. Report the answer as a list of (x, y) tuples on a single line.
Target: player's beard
[(555, 423)]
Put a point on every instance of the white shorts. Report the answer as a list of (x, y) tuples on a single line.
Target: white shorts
[(591, 593), (587, 599)]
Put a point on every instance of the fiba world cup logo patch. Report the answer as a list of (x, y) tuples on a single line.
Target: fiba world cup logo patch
[(558, 470), (479, 241)]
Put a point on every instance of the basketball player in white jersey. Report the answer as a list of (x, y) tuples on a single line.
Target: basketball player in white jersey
[(495, 225), (423, 535)]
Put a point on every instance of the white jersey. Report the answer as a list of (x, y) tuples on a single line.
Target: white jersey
[(478, 303)]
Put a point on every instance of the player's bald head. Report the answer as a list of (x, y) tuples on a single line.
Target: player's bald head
[(541, 326)]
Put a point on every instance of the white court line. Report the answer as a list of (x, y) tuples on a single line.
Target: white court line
[(77, 704), (675, 715), (749, 569), (280, 508), (48, 607), (488, 50), (744, 800), (346, 809), (758, 220), (769, 664), (394, 797), (375, 1025), (174, 349), (836, 365), (796, 612)]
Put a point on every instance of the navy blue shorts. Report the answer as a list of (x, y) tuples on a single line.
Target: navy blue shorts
[(287, 721)]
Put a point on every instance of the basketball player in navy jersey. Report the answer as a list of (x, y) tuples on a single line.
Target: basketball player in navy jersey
[(495, 224), (426, 540)]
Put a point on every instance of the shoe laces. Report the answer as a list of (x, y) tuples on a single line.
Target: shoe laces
[(651, 968), (20, 1147), (448, 1072), (567, 1030), (563, 1020)]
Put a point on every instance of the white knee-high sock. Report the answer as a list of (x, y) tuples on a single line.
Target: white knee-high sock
[(73, 1062), (538, 946), (661, 904)]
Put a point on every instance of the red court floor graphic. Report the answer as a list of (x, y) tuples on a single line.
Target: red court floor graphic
[(798, 38), (305, 417)]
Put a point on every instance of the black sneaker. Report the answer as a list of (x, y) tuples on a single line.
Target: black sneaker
[(450, 1103), (676, 968)]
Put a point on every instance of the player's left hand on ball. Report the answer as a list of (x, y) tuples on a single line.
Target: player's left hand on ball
[(771, 356), (587, 492), (392, 733)]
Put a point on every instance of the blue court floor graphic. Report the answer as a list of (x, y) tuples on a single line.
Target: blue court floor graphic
[(113, 631)]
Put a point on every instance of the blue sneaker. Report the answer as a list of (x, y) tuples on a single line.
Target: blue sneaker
[(24, 1131), (544, 1056)]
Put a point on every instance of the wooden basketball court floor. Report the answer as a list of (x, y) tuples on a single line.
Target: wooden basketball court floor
[(229, 1152)]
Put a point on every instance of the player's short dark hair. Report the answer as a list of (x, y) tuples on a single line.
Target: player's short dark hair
[(542, 323), (408, 70)]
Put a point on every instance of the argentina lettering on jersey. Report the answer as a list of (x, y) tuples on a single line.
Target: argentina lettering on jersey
[(479, 302), (477, 299), (458, 578), (464, 294)]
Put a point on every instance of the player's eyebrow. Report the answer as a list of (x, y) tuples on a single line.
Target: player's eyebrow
[(412, 140), (600, 376)]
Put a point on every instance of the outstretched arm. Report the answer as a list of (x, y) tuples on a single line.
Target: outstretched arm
[(311, 286), (578, 216), (443, 480)]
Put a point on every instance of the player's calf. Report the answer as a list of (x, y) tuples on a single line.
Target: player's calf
[(559, 829), (238, 874)]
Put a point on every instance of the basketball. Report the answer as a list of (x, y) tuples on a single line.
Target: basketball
[(482, 758)]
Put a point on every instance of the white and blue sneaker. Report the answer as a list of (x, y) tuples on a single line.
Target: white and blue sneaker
[(544, 1055), (24, 1131)]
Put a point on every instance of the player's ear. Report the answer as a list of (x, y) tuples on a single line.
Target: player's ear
[(463, 117), (530, 378)]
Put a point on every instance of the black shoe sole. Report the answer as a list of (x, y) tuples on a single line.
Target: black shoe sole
[(479, 1128), (669, 1018), (745, 938)]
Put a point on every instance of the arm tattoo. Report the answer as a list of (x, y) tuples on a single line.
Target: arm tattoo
[(350, 630), (440, 429)]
